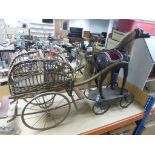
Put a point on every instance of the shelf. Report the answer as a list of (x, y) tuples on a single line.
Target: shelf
[(84, 121), (40, 34), (41, 28), (115, 125), (89, 123), (44, 31), (42, 24)]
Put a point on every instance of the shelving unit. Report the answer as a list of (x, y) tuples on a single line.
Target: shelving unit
[(42, 30)]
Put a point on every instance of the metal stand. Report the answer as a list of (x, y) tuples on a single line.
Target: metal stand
[(102, 105)]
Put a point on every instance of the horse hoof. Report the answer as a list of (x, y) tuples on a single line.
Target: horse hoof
[(121, 93), (112, 88)]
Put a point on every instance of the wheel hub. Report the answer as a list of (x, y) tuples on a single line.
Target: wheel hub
[(48, 114)]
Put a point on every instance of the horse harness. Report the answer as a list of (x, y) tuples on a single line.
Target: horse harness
[(113, 55)]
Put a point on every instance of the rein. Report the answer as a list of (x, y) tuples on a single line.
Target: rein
[(126, 42), (116, 53)]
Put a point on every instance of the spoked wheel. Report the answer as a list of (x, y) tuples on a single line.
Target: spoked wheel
[(39, 102), (100, 108), (126, 100), (45, 111), (27, 99)]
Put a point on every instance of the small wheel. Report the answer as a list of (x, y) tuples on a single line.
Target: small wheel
[(91, 94), (100, 108), (126, 100), (45, 111)]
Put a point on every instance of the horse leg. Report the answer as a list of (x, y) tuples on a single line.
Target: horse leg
[(114, 76), (96, 82), (116, 73), (100, 82), (89, 85), (125, 72), (112, 80)]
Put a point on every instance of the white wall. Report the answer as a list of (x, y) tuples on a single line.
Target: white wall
[(18, 22), (12, 22), (98, 25), (92, 25), (81, 23)]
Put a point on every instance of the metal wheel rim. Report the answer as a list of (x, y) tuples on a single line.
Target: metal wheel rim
[(96, 105), (127, 101), (44, 111), (85, 91)]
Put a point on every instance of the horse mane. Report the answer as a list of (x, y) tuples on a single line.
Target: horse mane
[(127, 42)]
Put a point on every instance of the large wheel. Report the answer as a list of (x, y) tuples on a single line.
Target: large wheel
[(100, 108), (126, 100), (27, 99), (45, 111)]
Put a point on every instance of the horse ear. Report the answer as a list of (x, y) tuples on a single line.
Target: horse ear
[(137, 32)]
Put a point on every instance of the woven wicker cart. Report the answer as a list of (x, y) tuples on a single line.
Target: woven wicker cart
[(31, 77), (41, 82)]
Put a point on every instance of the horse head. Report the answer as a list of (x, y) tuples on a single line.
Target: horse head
[(127, 42), (141, 34)]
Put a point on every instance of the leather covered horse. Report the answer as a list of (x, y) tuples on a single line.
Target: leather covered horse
[(97, 61)]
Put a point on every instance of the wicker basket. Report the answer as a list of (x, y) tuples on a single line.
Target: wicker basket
[(31, 77)]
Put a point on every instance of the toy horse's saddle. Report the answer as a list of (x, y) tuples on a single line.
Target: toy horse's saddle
[(113, 55)]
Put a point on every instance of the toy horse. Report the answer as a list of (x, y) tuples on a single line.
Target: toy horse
[(95, 62)]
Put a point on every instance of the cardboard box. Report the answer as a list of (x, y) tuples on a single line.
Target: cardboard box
[(117, 35), (150, 85), (111, 43), (86, 34)]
